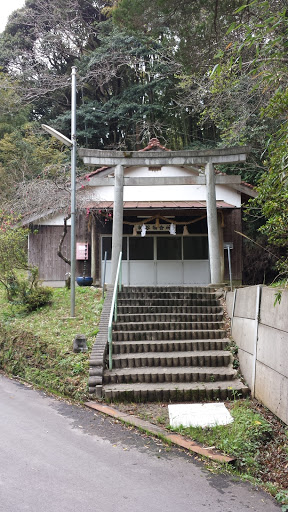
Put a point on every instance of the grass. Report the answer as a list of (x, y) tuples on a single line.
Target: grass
[(257, 438), (38, 346), (256, 442), (242, 438)]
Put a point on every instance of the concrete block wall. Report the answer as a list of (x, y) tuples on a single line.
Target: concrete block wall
[(260, 330)]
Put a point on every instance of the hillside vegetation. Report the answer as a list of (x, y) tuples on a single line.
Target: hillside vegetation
[(37, 347)]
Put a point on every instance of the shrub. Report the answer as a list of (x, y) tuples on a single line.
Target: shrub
[(38, 297), (28, 292)]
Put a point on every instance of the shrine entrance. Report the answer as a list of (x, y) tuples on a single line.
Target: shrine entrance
[(178, 257), (161, 259)]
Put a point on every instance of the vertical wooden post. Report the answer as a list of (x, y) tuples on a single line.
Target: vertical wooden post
[(212, 222), (221, 245), (93, 250)]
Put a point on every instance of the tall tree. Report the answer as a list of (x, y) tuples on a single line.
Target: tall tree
[(260, 60)]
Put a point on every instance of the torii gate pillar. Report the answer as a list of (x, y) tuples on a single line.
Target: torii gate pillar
[(117, 228), (212, 224)]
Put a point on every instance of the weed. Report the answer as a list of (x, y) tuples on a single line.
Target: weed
[(282, 498), (236, 364), (162, 420)]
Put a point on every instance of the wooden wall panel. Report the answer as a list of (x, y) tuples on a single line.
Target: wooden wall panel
[(43, 246)]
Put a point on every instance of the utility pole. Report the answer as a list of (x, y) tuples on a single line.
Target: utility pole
[(72, 144), (73, 189)]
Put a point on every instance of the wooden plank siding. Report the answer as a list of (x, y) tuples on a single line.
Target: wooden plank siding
[(43, 246)]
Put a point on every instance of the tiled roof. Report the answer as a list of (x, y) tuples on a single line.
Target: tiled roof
[(91, 174), (128, 205)]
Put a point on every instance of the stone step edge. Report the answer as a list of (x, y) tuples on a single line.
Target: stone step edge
[(171, 330), (154, 301), (235, 385), (161, 433), (171, 369), (144, 315), (163, 295), (144, 325), (197, 340), (185, 353)]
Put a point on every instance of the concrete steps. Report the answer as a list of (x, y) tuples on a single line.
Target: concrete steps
[(168, 317), (167, 335), (169, 343), (195, 358), (166, 326), (165, 392), (168, 301), (170, 374)]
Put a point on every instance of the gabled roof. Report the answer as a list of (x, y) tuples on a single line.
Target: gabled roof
[(153, 145)]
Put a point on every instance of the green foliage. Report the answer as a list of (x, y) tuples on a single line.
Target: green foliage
[(13, 243), (27, 292), (135, 99), (249, 104), (25, 152), (12, 113), (36, 297), (13, 249), (272, 200), (282, 498), (184, 25)]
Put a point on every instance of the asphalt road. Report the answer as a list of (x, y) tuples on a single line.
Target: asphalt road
[(57, 457)]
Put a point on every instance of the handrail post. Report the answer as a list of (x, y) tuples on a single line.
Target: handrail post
[(120, 277), (115, 308)]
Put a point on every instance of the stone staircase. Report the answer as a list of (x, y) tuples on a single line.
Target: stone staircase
[(169, 343)]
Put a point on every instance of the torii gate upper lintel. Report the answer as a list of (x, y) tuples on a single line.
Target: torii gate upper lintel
[(206, 158)]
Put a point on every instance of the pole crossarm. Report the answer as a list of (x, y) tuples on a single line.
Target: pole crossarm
[(151, 158)]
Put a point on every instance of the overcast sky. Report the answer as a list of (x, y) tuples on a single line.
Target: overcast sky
[(6, 8)]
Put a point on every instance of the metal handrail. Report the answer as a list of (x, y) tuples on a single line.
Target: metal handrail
[(113, 311)]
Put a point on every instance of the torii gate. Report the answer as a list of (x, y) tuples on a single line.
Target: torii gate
[(205, 158)]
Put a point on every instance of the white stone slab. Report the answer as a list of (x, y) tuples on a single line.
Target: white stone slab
[(199, 415)]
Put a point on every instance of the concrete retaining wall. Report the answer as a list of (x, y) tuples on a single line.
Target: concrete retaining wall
[(260, 330)]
